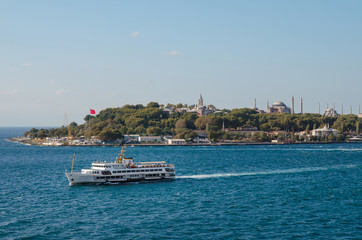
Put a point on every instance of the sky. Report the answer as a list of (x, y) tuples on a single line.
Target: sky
[(65, 57)]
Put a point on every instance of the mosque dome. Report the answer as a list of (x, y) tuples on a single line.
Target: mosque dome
[(279, 104)]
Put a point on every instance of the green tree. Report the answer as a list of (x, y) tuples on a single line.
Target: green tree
[(109, 135), (181, 124), (357, 127), (152, 131), (307, 129), (330, 137), (153, 105)]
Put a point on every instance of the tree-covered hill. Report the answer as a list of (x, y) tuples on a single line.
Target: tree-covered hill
[(113, 123)]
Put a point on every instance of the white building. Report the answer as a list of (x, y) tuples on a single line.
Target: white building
[(149, 139), (201, 140), (131, 138), (176, 141), (325, 131)]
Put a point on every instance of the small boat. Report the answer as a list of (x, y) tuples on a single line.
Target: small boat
[(121, 171), (355, 139)]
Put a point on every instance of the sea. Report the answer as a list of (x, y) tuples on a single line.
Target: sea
[(307, 191)]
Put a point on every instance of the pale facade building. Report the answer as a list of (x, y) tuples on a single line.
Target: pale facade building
[(325, 131), (176, 141), (149, 139)]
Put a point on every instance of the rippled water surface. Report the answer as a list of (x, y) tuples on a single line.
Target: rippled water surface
[(234, 192)]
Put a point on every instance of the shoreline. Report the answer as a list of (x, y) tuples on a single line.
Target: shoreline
[(32, 143)]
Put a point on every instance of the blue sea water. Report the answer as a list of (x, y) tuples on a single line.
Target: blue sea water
[(231, 192)]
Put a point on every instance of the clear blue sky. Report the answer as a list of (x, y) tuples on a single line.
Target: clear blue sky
[(60, 57)]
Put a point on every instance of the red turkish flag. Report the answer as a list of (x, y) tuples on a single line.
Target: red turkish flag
[(92, 111)]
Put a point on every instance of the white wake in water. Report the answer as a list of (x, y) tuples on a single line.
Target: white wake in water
[(284, 171)]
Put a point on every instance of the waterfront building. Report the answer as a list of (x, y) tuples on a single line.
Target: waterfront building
[(324, 132), (176, 141), (131, 138), (149, 139)]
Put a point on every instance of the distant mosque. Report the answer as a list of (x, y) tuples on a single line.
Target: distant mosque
[(278, 107), (330, 112)]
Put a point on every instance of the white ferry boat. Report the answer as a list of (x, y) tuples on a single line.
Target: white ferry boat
[(120, 171)]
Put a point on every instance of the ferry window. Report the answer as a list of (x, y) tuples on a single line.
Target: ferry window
[(128, 170), (133, 170), (114, 172), (142, 170)]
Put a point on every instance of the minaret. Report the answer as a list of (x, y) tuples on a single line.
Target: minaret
[(359, 109), (351, 109), (254, 103), (301, 105), (201, 101), (267, 106), (334, 106), (342, 109), (292, 104), (319, 108)]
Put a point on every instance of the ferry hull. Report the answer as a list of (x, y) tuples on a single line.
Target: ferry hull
[(83, 179)]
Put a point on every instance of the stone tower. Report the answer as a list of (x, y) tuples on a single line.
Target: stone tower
[(201, 101)]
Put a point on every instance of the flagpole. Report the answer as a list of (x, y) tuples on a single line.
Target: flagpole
[(89, 118)]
